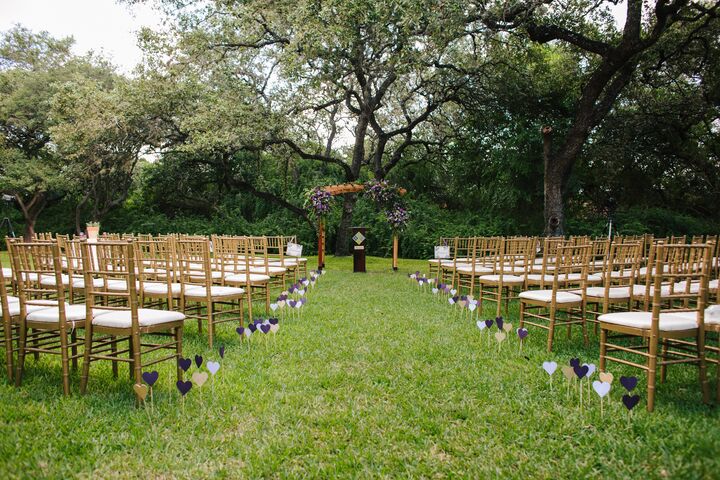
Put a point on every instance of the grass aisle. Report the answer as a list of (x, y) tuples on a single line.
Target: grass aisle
[(376, 380)]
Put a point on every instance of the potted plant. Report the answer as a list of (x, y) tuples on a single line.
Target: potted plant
[(93, 228)]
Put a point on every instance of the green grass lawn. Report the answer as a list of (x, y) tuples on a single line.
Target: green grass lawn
[(376, 380)]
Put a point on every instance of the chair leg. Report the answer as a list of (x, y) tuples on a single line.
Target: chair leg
[(64, 350), (21, 354), (178, 351), (210, 319), (703, 368), (522, 314), (131, 353), (113, 353), (86, 360), (36, 355), (267, 299), (136, 363), (652, 367), (7, 333), (584, 324), (249, 301), (603, 349), (551, 330), (663, 367), (73, 340)]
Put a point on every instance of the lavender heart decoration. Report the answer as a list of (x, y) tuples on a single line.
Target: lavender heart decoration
[(198, 360), (150, 377), (630, 401), (184, 363), (550, 367), (183, 387), (480, 324), (213, 367), (629, 383)]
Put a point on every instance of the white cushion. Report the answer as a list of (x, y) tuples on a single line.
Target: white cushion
[(147, 317), (97, 283), (695, 286), (242, 278), (73, 313), (7, 272), (546, 296), (434, 260), (712, 315), (479, 269), (621, 274), (505, 279), (271, 270), (639, 290), (161, 288), (200, 276), (198, 291), (13, 306), (535, 277), (49, 280), (119, 285), (668, 321), (613, 292)]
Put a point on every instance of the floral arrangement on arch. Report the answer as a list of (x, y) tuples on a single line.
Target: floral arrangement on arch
[(386, 196), (319, 202)]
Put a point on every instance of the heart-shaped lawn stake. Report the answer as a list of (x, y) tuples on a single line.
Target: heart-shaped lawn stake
[(292, 303), (240, 331), (522, 333), (568, 372), (248, 333), (273, 306), (453, 291), (141, 391), (481, 325), (184, 363), (507, 327), (435, 291), (274, 327), (198, 360), (574, 362), (606, 377), (273, 321), (488, 323), (213, 367), (150, 377), (199, 378), (222, 351), (591, 368), (581, 371), (601, 388), (251, 327), (629, 383), (463, 303), (630, 401), (265, 327), (451, 300), (499, 322), (500, 336), (550, 367), (472, 307), (184, 387)]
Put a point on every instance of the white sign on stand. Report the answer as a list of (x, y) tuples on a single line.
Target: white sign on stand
[(442, 251), (293, 250)]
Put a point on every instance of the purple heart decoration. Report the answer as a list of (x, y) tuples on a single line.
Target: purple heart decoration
[(629, 383), (222, 351), (184, 363), (240, 331), (574, 362), (630, 401), (303, 300), (273, 321), (150, 377), (198, 360), (488, 323), (499, 322), (183, 387), (292, 303), (581, 371), (265, 327), (252, 327), (522, 333), (455, 299)]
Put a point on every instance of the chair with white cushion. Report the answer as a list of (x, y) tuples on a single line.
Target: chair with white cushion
[(201, 299), (10, 307), (482, 255), (158, 285), (563, 303), (110, 323), (47, 323), (678, 315), (540, 273), (509, 273), (234, 254)]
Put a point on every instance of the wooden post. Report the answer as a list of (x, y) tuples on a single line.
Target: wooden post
[(321, 244), (395, 251)]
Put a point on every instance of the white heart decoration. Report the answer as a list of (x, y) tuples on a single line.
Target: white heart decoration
[(550, 367), (213, 367), (591, 369), (301, 292), (481, 324), (412, 275), (274, 328), (472, 307), (434, 290), (451, 301), (273, 306), (298, 304), (601, 388), (453, 291)]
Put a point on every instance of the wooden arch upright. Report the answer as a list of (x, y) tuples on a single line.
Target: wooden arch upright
[(342, 189)]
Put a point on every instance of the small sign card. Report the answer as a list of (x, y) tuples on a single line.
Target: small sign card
[(442, 251), (293, 250)]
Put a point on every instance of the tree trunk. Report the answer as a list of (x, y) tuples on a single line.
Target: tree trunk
[(553, 183), (342, 241), (31, 212)]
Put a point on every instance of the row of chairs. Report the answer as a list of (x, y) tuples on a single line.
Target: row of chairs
[(656, 292), (114, 290)]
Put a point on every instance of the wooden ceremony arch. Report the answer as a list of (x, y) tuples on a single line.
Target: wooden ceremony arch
[(342, 189)]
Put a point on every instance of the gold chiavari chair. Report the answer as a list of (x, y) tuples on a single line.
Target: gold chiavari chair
[(678, 315), (301, 261), (260, 263), (239, 272), (541, 275), (277, 258), (434, 263), (47, 324), (509, 273), (158, 284), (119, 317), (10, 309), (462, 256), (559, 305), (200, 298), (466, 273), (619, 276)]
